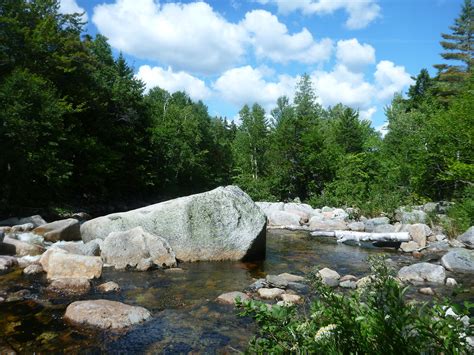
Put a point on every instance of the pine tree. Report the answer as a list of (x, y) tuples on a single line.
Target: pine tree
[(458, 46)]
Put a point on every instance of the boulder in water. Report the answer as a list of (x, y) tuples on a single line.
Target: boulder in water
[(422, 272), (222, 224), (105, 314), (459, 260), (137, 248), (64, 265), (65, 229)]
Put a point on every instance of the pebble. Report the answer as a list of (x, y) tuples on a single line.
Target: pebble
[(109, 287), (270, 293), (426, 291), (450, 282)]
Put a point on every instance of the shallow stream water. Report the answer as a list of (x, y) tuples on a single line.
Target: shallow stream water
[(186, 317)]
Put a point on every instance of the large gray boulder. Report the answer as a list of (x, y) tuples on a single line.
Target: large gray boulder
[(468, 238), (459, 260), (65, 229), (137, 248), (409, 217), (283, 218), (105, 314), (422, 272), (222, 224)]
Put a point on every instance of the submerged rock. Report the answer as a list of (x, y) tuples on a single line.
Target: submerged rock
[(105, 314), (137, 248), (229, 297), (291, 278), (70, 286), (62, 265), (459, 260), (109, 287), (422, 272), (222, 224), (65, 229)]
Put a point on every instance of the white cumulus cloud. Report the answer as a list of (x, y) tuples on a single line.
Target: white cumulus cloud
[(173, 81), (246, 85), (390, 79), (361, 12), (271, 39), (187, 36), (354, 55), (71, 7)]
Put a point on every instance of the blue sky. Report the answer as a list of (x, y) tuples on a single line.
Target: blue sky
[(228, 53)]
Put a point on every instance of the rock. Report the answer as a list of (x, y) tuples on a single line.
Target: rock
[(70, 286), (456, 243), (422, 272), (432, 239), (288, 298), (326, 225), (222, 224), (267, 207), (438, 246), (108, 287), (450, 282), (229, 297), (384, 228), (326, 209), (91, 248), (329, 277), (302, 207), (336, 214), (66, 229), (291, 277), (62, 265), (137, 248), (283, 218), (370, 224), (260, 283), (409, 247), (298, 287), (2, 235), (440, 237), (17, 247), (33, 269), (418, 233), (364, 281), (28, 260), (174, 270), (409, 217), (348, 278), (426, 291), (276, 281), (44, 259), (270, 293), (7, 262), (467, 238), (459, 260), (25, 227), (348, 284), (356, 226), (105, 314), (36, 220)]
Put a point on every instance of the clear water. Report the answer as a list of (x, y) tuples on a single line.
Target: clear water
[(185, 316)]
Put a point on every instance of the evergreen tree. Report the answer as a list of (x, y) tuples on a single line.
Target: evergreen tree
[(459, 47)]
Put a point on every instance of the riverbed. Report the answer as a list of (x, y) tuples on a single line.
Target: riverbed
[(186, 317)]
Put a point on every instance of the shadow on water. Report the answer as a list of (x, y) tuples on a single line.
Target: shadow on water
[(185, 316)]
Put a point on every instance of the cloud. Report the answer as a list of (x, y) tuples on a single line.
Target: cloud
[(367, 114), (195, 38), (354, 55), (361, 12), (173, 81), (246, 85), (186, 36), (390, 79), (71, 7), (271, 39)]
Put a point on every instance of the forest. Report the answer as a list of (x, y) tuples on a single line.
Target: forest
[(77, 128)]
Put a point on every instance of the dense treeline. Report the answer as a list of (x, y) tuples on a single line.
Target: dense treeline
[(76, 125)]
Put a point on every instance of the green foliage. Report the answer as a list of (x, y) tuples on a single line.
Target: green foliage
[(376, 319)]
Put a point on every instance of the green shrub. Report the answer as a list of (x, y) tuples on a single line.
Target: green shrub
[(374, 320)]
